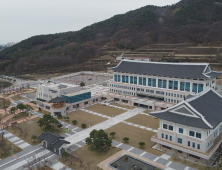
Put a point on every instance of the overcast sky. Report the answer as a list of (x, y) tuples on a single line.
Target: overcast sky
[(21, 19)]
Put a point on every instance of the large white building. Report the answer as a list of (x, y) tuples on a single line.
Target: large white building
[(162, 81), (192, 128)]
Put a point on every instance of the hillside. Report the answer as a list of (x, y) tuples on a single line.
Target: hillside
[(189, 21)]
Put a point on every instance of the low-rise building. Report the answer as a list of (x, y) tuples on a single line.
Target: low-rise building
[(192, 128), (62, 98)]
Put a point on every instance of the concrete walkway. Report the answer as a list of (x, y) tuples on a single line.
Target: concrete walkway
[(104, 125)]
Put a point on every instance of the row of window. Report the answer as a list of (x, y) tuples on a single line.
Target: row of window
[(166, 137), (181, 130), (122, 92), (161, 83)]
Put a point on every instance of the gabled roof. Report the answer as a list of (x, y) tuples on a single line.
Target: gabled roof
[(181, 70), (54, 139), (203, 110)]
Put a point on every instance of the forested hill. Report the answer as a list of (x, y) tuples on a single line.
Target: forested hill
[(196, 21)]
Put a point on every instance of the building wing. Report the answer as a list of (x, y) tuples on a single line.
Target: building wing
[(203, 110), (181, 70)]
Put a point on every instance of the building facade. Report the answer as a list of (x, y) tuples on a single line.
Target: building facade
[(192, 128), (169, 82)]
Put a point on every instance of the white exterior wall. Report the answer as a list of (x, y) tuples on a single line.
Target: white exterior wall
[(173, 99)]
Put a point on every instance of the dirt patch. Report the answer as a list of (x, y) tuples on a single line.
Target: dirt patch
[(145, 120), (7, 104), (91, 159), (135, 136), (18, 97), (105, 110), (124, 106), (9, 144)]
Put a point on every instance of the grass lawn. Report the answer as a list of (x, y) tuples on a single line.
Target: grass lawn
[(147, 111), (18, 116), (18, 97), (3, 116), (105, 110), (135, 136), (145, 120), (7, 104), (84, 117), (191, 164), (43, 111), (34, 129), (91, 159), (124, 106), (9, 144)]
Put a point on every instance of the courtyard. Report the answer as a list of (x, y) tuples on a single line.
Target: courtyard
[(145, 120), (135, 136), (105, 110), (83, 117)]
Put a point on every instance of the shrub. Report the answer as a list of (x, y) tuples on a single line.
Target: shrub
[(65, 155), (141, 144), (74, 122), (83, 125), (126, 139), (112, 134), (40, 109), (115, 165), (59, 116)]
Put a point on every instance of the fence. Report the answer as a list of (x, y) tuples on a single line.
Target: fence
[(75, 158)]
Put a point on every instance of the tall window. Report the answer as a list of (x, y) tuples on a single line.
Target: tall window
[(170, 127), (170, 84), (198, 146), (131, 79), (179, 140), (127, 79), (200, 88), (115, 77), (118, 78), (191, 133), (188, 143), (123, 78), (151, 82), (194, 88), (160, 83), (166, 136), (175, 85), (162, 135), (187, 86), (182, 86), (170, 138), (181, 130), (193, 145), (144, 81), (154, 83), (165, 126), (140, 80), (198, 135), (135, 80)]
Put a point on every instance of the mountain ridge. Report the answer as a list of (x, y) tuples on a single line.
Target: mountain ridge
[(194, 21)]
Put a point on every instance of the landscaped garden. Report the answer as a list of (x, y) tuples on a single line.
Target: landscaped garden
[(105, 110), (145, 120), (83, 118), (98, 149), (135, 135), (26, 130)]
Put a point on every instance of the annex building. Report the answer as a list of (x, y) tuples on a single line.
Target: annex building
[(192, 128), (62, 98), (160, 81)]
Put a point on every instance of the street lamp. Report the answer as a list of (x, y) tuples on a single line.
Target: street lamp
[(120, 137)]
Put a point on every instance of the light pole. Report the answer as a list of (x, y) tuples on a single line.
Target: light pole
[(120, 137)]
